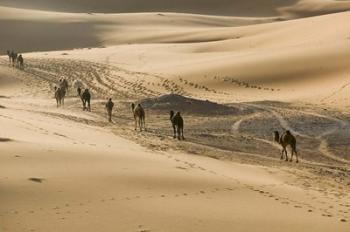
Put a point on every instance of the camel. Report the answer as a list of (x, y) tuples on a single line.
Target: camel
[(139, 116), (284, 140), (20, 62), (86, 98), (60, 95), (14, 58), (9, 55), (78, 85), (178, 125), (64, 84)]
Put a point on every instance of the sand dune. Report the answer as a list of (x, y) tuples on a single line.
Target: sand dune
[(272, 61), (76, 175), (221, 7), (306, 8), (265, 8), (264, 67), (57, 31)]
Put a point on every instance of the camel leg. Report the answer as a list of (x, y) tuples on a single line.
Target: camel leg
[(282, 152), (291, 158), (285, 151), (174, 131), (135, 123), (144, 123), (182, 133), (296, 153), (140, 123)]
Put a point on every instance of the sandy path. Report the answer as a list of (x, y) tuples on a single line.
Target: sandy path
[(323, 147), (61, 175)]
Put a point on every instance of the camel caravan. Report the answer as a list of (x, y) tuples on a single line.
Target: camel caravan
[(177, 122), (16, 60)]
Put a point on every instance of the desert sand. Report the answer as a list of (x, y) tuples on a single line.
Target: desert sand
[(236, 76)]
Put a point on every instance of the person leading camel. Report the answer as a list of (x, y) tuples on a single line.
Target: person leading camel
[(178, 125), (139, 116), (109, 108), (86, 98), (284, 140)]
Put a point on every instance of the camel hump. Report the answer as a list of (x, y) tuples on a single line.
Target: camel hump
[(288, 132)]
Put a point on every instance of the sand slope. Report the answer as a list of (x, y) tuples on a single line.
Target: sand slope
[(63, 170), (272, 61)]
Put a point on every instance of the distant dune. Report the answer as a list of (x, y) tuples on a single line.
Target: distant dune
[(219, 7), (255, 8)]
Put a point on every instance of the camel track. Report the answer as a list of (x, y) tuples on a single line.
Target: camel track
[(118, 84), (323, 147), (107, 80)]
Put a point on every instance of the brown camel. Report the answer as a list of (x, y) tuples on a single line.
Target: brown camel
[(60, 95), (178, 125), (139, 116), (284, 140)]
